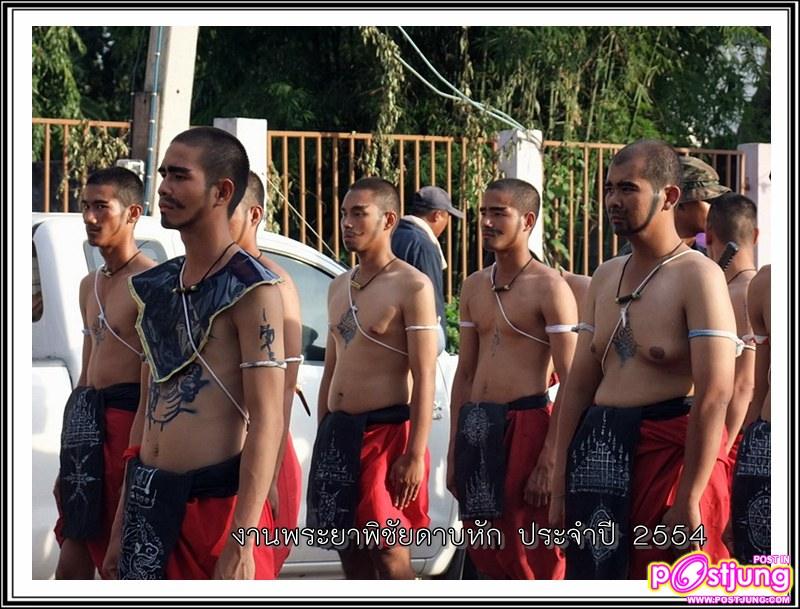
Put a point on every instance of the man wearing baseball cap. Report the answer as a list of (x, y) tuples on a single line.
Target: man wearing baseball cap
[(416, 240), (699, 185)]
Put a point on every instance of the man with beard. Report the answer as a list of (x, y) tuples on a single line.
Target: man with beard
[(208, 429), (370, 459), (517, 318), (99, 413), (641, 439), (284, 493)]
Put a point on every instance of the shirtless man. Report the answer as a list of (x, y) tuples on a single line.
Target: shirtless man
[(209, 426), (370, 460), (752, 499), (284, 493), (732, 220), (516, 317), (100, 411), (656, 357)]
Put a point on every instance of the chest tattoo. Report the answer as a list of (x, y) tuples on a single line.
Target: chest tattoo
[(495, 340), (624, 343), (176, 392), (98, 330), (347, 325)]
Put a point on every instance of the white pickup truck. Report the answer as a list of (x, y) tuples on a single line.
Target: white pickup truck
[(62, 256)]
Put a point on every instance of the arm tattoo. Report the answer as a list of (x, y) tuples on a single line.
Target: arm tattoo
[(267, 335), (174, 392)]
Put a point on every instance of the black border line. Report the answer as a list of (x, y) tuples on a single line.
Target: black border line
[(359, 601)]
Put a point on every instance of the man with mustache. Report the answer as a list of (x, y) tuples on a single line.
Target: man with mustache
[(208, 429), (284, 493), (517, 320), (641, 439), (370, 459), (100, 411)]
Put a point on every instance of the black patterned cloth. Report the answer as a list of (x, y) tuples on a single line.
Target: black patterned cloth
[(751, 503), (155, 503), (480, 455), (600, 462), (81, 455), (161, 323), (333, 479)]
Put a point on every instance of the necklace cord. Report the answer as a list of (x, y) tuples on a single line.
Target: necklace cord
[(507, 287), (360, 286), (104, 269), (194, 287)]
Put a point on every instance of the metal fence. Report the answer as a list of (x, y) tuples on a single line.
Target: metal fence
[(51, 138), (574, 181), (310, 171)]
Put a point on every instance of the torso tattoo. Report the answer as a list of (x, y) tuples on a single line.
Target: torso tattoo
[(624, 343), (98, 330), (347, 325), (175, 393), (495, 340)]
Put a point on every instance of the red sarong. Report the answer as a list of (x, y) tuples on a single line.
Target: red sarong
[(289, 482), (205, 531), (524, 438), (117, 433), (732, 460), (382, 445), (657, 468)]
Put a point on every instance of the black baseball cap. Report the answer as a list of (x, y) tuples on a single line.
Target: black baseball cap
[(433, 197)]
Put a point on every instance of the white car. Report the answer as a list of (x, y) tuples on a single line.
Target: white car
[(63, 256)]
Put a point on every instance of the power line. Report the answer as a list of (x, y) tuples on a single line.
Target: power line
[(498, 114)]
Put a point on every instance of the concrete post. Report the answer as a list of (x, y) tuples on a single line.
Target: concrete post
[(521, 158), (170, 76), (252, 133), (758, 188)]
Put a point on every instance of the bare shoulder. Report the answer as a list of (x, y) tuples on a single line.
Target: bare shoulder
[(264, 295), (695, 268), (476, 279), (610, 268), (338, 282), (411, 278), (762, 280), (85, 284), (287, 285), (143, 263)]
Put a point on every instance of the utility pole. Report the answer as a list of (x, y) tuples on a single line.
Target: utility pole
[(163, 109)]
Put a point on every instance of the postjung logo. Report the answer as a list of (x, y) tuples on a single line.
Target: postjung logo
[(693, 571)]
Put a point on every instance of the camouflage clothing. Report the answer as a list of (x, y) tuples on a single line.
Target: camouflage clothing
[(699, 182)]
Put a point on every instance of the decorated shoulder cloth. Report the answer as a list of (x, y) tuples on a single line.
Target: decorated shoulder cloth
[(161, 322)]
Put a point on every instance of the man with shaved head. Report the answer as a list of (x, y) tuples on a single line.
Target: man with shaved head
[(517, 318), (370, 461), (731, 237), (641, 438)]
